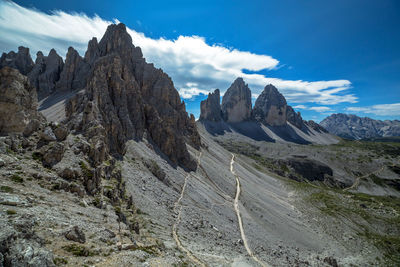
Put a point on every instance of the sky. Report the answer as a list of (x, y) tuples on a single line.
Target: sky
[(325, 57)]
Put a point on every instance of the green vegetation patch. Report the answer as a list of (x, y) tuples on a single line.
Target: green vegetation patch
[(87, 172), (60, 261), (17, 179), (78, 250), (11, 212), (6, 189)]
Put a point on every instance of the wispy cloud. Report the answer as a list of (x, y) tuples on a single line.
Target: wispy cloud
[(195, 66), (320, 109), (380, 110), (300, 107)]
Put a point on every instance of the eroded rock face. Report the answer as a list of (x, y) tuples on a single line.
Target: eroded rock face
[(74, 73), (236, 102), (210, 108), (18, 103), (21, 60), (46, 72), (294, 118), (126, 97), (313, 125), (270, 107)]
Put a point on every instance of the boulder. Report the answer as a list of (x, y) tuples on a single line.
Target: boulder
[(75, 234)]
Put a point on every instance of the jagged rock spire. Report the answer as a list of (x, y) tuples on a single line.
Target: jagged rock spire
[(236, 103)]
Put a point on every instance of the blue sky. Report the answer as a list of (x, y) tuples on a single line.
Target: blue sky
[(324, 56)]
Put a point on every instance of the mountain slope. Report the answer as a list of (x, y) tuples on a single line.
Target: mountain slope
[(354, 127)]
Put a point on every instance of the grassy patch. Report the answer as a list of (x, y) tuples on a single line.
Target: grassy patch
[(6, 189), (78, 250), (37, 156), (11, 212), (60, 261), (389, 245), (87, 172), (17, 179)]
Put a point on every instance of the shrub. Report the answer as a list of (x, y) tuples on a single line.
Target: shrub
[(6, 189), (17, 179)]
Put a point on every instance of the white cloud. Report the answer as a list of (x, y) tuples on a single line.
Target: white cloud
[(380, 110), (320, 109), (300, 107), (188, 59)]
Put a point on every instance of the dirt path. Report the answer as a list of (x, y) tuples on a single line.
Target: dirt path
[(239, 217), (358, 179), (178, 210)]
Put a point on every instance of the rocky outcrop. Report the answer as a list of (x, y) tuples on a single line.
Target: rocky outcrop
[(354, 127), (236, 102), (21, 60), (210, 109), (126, 98), (294, 118), (315, 126), (270, 107), (46, 72), (18, 104), (74, 73), (310, 169)]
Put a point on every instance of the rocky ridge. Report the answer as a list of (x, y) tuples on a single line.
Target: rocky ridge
[(354, 127), (124, 97)]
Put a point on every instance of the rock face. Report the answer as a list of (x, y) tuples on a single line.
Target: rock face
[(313, 125), (236, 103), (294, 118), (270, 107), (21, 61), (126, 98), (210, 108), (310, 169), (74, 72), (46, 72), (354, 127), (18, 103)]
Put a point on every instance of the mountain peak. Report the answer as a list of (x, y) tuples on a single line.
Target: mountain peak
[(236, 103)]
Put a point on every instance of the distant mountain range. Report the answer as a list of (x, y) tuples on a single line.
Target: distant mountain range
[(354, 127)]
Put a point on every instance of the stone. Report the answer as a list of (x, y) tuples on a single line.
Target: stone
[(60, 132), (270, 107), (236, 102), (52, 153), (211, 108), (75, 234), (18, 103), (48, 135)]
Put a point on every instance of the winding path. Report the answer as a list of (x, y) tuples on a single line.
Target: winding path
[(357, 181), (239, 217), (178, 210)]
